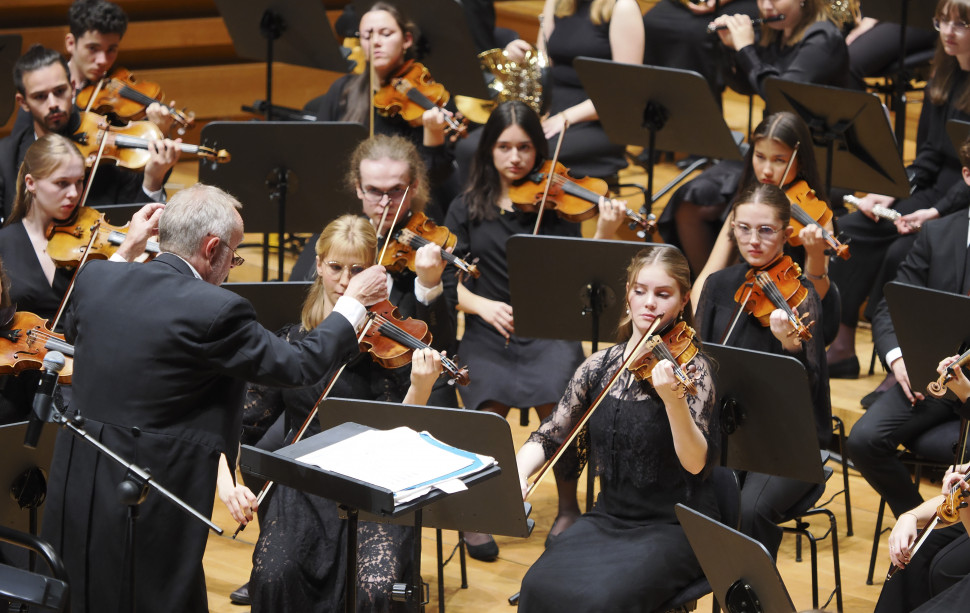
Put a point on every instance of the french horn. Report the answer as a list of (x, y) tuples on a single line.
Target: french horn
[(510, 81)]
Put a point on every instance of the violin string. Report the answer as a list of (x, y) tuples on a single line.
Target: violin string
[(662, 351), (573, 189), (774, 295), (416, 241), (802, 217), (394, 333)]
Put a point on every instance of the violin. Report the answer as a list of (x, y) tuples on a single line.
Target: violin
[(121, 94), (938, 388), (25, 341), (128, 145), (777, 286), (410, 92), (808, 210), (418, 232), (573, 199), (678, 346), (391, 340), (87, 232)]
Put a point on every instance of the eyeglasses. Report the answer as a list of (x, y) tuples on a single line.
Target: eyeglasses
[(744, 231), (374, 195), (959, 26), (237, 260), (337, 269)]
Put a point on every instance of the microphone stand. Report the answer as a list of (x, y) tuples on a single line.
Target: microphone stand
[(132, 492)]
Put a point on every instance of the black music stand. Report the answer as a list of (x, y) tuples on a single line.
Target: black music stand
[(852, 130), (444, 43), (766, 413), (661, 109), (277, 303), (958, 132), (490, 504), (293, 165), (741, 572), (23, 477), (10, 45), (908, 13), (288, 31), (923, 341)]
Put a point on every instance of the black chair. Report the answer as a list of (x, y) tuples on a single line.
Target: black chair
[(39, 592), (896, 85), (728, 493), (838, 429)]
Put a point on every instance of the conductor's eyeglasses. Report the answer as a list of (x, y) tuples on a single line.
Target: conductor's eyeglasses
[(958, 26), (764, 232)]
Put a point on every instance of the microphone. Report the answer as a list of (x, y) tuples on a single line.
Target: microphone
[(711, 28), (44, 398)]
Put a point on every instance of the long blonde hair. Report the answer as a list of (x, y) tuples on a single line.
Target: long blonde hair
[(599, 13), (350, 232), (674, 264), (41, 160)]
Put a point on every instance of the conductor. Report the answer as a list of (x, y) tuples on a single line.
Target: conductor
[(162, 356)]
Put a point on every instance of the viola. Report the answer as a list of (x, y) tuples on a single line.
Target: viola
[(778, 286), (938, 388), (391, 340), (676, 345), (87, 232), (128, 145), (25, 341), (421, 231), (410, 92), (573, 199), (808, 210), (121, 94)]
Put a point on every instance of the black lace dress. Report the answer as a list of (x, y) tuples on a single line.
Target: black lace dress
[(299, 559), (628, 553)]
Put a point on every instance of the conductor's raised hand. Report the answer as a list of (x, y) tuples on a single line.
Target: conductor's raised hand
[(142, 227), (369, 287)]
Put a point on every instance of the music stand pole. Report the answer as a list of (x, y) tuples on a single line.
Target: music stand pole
[(271, 26)]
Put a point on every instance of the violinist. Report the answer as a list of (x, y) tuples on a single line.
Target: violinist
[(299, 560), (387, 35), (652, 447), (44, 90), (162, 356), (759, 224), (510, 370), (389, 177)]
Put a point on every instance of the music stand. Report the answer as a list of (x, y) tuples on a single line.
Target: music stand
[(10, 45), (958, 132), (762, 433), (923, 341), (493, 502), (293, 165), (277, 303), (288, 31), (742, 574), (851, 128), (23, 475), (444, 44), (661, 108), (908, 13)]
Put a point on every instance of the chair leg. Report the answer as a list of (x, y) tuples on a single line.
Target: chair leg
[(461, 560), (840, 428), (875, 540)]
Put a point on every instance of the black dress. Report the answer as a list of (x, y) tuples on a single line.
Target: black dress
[(629, 553), (765, 499), (820, 57), (524, 372), (299, 563)]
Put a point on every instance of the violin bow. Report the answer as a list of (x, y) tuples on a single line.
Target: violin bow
[(791, 162), (397, 214), (306, 423), (541, 474), (737, 313), (372, 77), (97, 90), (84, 258), (552, 173)]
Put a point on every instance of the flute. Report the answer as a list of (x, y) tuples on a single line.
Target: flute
[(712, 27)]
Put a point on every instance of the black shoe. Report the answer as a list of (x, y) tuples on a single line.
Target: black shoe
[(844, 369), (870, 398), (486, 552), (241, 595)]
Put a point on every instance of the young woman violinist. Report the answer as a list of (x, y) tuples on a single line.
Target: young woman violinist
[(509, 370), (298, 563), (652, 447), (759, 226)]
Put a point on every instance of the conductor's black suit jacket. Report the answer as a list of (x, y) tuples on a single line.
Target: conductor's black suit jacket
[(161, 362)]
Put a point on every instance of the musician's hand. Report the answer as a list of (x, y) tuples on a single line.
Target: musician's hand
[(499, 315), (517, 49), (907, 224), (902, 377), (863, 26), (781, 329), (666, 383), (164, 153), (739, 32), (425, 368), (524, 485), (901, 539), (553, 125), (812, 240), (959, 383), (159, 115), (369, 287), (612, 214), (434, 126), (429, 265), (869, 200), (239, 499), (142, 227), (955, 478)]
